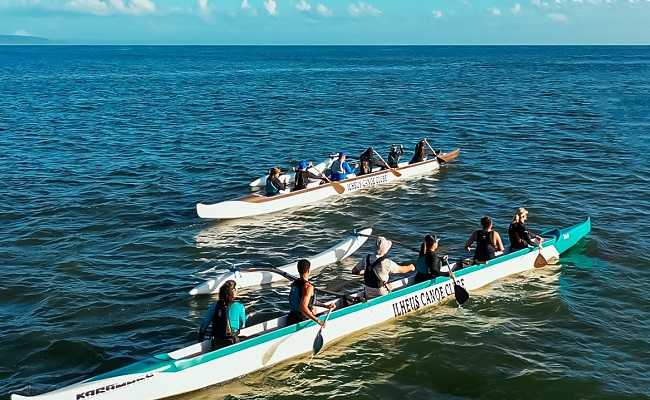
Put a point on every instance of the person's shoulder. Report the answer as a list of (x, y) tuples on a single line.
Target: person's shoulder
[(237, 305)]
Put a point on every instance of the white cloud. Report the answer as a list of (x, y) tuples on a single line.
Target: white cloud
[(22, 32), (557, 17), (495, 11), (302, 5), (361, 8), (105, 7), (437, 14), (323, 10), (245, 5), (271, 7), (96, 7), (516, 9), (204, 7)]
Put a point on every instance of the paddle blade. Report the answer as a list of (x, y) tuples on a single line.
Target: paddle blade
[(461, 294), (319, 342), (396, 173), (540, 261), (338, 187)]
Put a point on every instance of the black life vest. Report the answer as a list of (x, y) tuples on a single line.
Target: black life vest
[(484, 248), (221, 323), (516, 234), (301, 180), (370, 275)]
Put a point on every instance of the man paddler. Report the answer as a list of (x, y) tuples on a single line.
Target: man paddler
[(302, 297), (377, 267), (340, 168)]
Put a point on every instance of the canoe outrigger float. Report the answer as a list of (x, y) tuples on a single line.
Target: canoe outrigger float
[(268, 343), (255, 277), (257, 204)]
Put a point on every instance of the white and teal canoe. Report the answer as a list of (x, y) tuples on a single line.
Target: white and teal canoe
[(270, 342), (258, 204), (249, 278)]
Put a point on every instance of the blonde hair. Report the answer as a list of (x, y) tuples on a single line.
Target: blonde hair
[(519, 213)]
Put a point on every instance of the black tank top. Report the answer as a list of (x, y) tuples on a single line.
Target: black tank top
[(370, 276), (484, 247)]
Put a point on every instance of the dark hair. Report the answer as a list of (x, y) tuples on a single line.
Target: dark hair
[(227, 293), (486, 222), (425, 249), (303, 266)]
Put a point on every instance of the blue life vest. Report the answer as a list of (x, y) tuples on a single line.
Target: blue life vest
[(271, 189)]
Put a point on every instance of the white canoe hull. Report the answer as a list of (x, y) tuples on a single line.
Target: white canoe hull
[(196, 367), (250, 279), (258, 205)]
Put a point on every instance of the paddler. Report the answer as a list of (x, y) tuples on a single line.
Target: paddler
[(488, 242), (273, 184), (302, 297), (303, 175), (420, 153), (340, 168), (429, 263), (366, 161), (518, 232), (377, 267), (226, 316)]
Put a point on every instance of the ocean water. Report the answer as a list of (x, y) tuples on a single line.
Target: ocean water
[(104, 152)]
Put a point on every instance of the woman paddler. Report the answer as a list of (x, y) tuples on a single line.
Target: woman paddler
[(226, 316), (488, 242), (429, 262), (273, 184), (302, 297), (377, 267), (518, 232)]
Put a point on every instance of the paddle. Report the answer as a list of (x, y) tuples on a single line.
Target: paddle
[(337, 186), (460, 292), (440, 159), (540, 260), (393, 170), (320, 341)]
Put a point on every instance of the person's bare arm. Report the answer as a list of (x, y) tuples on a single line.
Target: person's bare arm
[(498, 243), (406, 268), (470, 241), (308, 290)]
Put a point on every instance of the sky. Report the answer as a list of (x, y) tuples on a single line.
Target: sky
[(330, 21)]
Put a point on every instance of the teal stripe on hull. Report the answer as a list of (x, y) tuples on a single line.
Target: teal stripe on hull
[(562, 239)]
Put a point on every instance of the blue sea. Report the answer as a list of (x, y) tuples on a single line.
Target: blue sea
[(105, 150)]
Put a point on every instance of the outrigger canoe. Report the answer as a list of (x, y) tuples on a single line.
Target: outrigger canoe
[(258, 204), (270, 342), (255, 278)]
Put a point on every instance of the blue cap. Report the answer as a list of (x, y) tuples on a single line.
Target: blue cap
[(303, 164), (342, 153)]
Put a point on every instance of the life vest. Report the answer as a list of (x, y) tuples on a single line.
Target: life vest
[(516, 232), (370, 276), (271, 188), (301, 180), (221, 323), (296, 294), (484, 246)]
